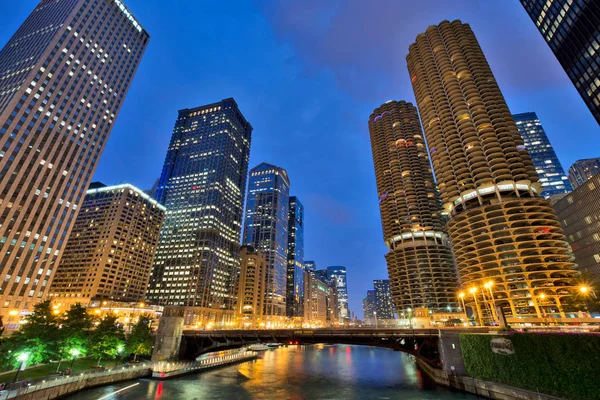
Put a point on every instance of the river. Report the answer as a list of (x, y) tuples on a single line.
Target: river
[(294, 373)]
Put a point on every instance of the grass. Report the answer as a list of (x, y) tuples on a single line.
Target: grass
[(49, 370)]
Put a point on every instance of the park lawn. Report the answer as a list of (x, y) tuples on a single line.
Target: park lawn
[(49, 370)]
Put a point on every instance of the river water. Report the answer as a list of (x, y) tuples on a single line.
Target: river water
[(294, 373)]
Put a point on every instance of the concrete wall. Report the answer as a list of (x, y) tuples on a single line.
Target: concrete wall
[(56, 392)]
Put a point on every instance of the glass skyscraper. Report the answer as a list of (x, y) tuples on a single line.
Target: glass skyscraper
[(295, 259), (339, 274), (582, 170), (202, 186), (310, 266), (572, 30), (266, 228), (383, 296), (550, 171), (63, 78)]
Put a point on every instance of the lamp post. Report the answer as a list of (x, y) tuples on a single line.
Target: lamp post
[(74, 353), (22, 360), (461, 296), (541, 306), (409, 314), (473, 291), (119, 350), (488, 285), (375, 315)]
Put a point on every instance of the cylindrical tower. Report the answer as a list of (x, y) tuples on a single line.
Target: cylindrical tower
[(509, 247), (420, 265)]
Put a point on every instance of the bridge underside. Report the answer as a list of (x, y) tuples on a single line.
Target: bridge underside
[(423, 345)]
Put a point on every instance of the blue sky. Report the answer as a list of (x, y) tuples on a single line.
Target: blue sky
[(307, 74)]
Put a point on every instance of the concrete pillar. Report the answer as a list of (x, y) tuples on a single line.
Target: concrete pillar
[(451, 354), (168, 334)]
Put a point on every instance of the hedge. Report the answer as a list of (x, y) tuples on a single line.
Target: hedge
[(564, 365)]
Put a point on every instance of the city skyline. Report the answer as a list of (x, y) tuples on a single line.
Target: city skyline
[(331, 202)]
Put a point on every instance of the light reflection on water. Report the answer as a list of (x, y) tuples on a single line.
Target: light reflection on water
[(295, 373)]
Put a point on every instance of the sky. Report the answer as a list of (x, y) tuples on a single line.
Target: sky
[(307, 74)]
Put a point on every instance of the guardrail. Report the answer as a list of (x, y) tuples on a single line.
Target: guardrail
[(21, 388)]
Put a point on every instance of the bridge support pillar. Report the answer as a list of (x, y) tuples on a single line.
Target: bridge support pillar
[(451, 354), (168, 335)]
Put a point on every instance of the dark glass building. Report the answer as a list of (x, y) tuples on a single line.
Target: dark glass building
[(572, 30), (339, 274), (310, 266), (63, 78), (582, 170), (550, 171), (295, 259), (370, 307), (266, 229), (202, 186), (383, 296)]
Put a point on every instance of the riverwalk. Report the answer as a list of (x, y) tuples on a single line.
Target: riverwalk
[(61, 386)]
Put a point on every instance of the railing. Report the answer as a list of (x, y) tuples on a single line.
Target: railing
[(162, 368), (24, 387)]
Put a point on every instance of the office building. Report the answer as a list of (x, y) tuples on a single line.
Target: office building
[(419, 258), (383, 296), (339, 274), (550, 171), (295, 260), (316, 291), (582, 170), (202, 186), (111, 249), (370, 307), (266, 228), (322, 275), (310, 266), (63, 78), (579, 214), (251, 289), (500, 229), (572, 30)]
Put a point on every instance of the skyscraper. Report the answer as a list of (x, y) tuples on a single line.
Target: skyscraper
[(266, 228), (383, 299), (202, 186), (370, 307), (501, 230), (419, 260), (63, 78), (295, 259), (550, 171), (316, 313), (579, 214), (339, 274), (310, 266), (582, 170), (572, 30), (111, 249)]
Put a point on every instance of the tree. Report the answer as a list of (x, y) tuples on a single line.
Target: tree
[(75, 332), (38, 337), (139, 341), (106, 339)]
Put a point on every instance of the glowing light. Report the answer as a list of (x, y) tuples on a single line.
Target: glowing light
[(473, 290), (461, 295)]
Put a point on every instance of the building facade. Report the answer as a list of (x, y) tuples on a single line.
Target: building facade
[(582, 170), (251, 289), (579, 214), (383, 296), (316, 291), (266, 228), (202, 185), (551, 173), (310, 266), (295, 260), (572, 30), (501, 231), (338, 273), (419, 259), (111, 249), (58, 104), (369, 307)]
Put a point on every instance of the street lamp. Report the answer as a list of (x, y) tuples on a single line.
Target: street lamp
[(488, 285), (375, 315), (473, 291), (22, 358), (461, 296), (540, 305), (74, 353), (119, 350)]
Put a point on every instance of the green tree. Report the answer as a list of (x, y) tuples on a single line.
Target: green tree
[(75, 332), (1, 326), (106, 339), (38, 337), (139, 341)]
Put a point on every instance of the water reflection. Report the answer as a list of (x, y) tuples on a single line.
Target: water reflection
[(311, 372)]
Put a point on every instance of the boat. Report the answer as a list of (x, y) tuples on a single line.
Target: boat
[(273, 345), (258, 347)]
